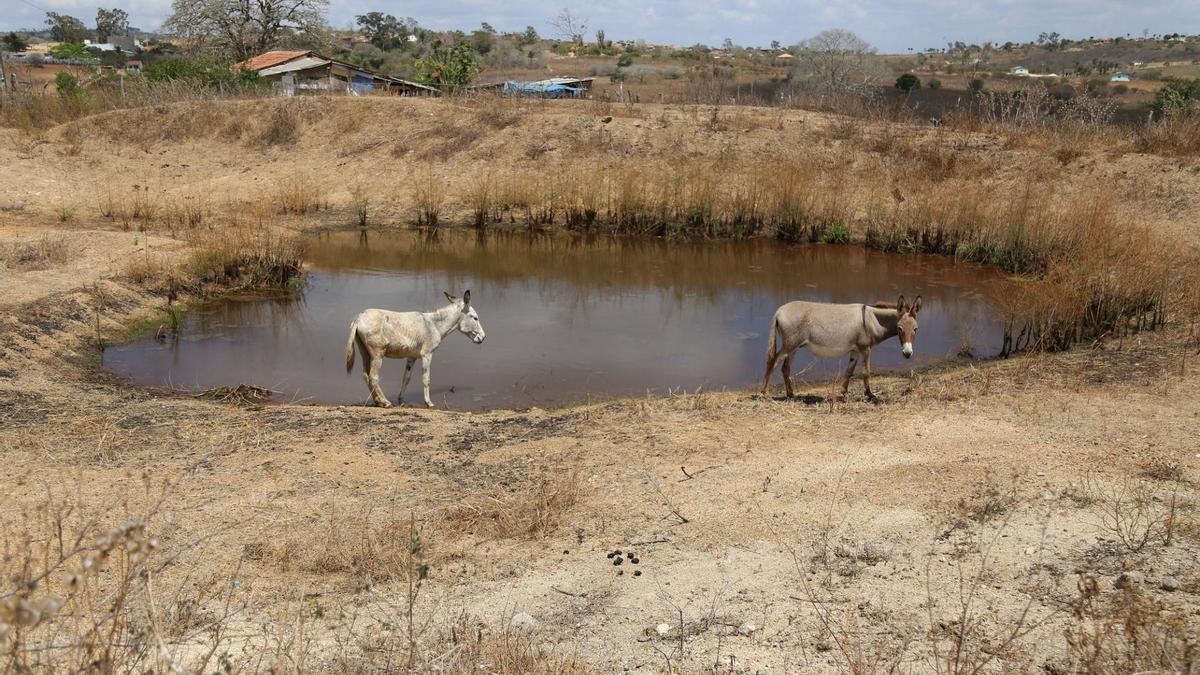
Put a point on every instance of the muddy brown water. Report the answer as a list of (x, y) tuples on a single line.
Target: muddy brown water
[(568, 318)]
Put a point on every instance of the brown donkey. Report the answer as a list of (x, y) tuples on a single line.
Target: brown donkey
[(830, 331)]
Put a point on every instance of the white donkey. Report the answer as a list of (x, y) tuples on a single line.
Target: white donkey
[(829, 331), (407, 335)]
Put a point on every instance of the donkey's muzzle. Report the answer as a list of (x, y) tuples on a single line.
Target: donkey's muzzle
[(907, 350)]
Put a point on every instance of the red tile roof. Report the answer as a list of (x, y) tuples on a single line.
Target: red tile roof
[(268, 59)]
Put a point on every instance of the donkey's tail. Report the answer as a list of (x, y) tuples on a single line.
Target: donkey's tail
[(772, 352), (350, 345), (772, 337)]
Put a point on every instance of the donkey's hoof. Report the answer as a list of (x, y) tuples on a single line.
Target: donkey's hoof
[(383, 404), (429, 405)]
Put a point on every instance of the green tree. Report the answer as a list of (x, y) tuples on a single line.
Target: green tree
[(1178, 96), (908, 82), (111, 22), (976, 85), (529, 37), (483, 41), (15, 43), (383, 30), (450, 69), (70, 51), (64, 28), (67, 85)]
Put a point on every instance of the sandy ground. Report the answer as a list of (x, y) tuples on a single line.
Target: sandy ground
[(788, 536)]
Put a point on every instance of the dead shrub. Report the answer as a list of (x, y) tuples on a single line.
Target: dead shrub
[(89, 587), (1065, 154), (1176, 136), (987, 501), (1127, 631), (369, 546), (531, 513), (36, 254), (429, 196), (281, 128), (1169, 469), (299, 195), (1135, 516)]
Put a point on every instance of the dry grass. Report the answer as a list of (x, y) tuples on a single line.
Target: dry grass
[(83, 590), (298, 195), (533, 512), (429, 195), (40, 253)]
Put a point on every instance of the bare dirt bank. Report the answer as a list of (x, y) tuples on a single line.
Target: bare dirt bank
[(1032, 513)]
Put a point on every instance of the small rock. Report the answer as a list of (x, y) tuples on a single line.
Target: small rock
[(1169, 584), (1030, 550), (606, 119), (1129, 579), (522, 622), (747, 628), (663, 629)]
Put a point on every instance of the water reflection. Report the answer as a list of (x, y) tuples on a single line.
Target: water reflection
[(568, 317)]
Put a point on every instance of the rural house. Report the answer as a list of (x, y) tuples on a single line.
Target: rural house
[(310, 72), (1119, 77), (1019, 71)]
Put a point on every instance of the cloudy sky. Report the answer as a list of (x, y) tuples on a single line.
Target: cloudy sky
[(891, 25)]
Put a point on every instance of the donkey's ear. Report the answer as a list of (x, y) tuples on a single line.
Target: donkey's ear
[(449, 297), (900, 305), (916, 305), (466, 298)]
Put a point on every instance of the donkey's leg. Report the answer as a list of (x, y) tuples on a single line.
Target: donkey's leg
[(372, 377), (425, 361), (867, 375), (787, 373), (408, 364), (772, 358), (849, 374)]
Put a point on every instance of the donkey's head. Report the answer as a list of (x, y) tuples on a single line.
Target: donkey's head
[(906, 324), (468, 321)]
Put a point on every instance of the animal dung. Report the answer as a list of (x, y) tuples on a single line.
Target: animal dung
[(618, 560), (620, 572), (634, 560), (637, 573)]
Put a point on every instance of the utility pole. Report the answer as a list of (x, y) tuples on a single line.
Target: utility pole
[(3, 73)]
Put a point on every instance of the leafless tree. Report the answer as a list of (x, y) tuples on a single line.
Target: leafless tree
[(243, 28), (569, 26), (835, 60)]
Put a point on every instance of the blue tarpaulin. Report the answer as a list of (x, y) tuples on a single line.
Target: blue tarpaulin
[(547, 89)]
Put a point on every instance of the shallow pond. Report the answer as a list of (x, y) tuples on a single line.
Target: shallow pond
[(568, 318)]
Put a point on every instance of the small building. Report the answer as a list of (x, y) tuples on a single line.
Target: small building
[(1119, 77), (133, 66), (554, 87), (310, 72), (124, 43), (1019, 71), (785, 57)]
